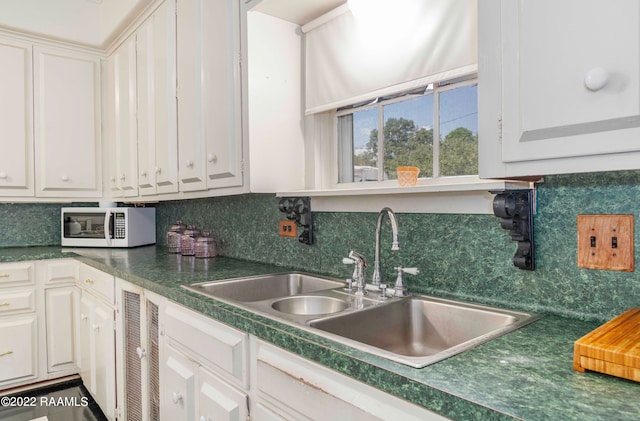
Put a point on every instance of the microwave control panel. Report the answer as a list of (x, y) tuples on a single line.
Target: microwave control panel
[(119, 226)]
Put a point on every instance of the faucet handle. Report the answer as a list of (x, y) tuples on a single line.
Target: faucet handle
[(410, 271), (400, 288), (348, 261)]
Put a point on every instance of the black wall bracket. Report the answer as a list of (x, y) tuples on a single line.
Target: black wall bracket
[(515, 210), (298, 209)]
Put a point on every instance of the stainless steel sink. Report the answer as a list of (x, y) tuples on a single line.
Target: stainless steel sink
[(263, 287), (310, 305), (416, 330), (421, 330)]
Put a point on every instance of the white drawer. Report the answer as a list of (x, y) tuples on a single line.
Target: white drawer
[(16, 274), (16, 301), (58, 271), (99, 283), (18, 349), (224, 347)]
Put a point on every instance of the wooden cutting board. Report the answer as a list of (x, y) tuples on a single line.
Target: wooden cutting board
[(613, 348)]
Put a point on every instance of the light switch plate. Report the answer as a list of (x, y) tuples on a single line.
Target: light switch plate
[(606, 242)]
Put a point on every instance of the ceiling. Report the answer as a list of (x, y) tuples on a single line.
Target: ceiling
[(92, 23), (297, 11)]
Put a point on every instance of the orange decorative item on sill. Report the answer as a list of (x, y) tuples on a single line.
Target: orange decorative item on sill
[(408, 176)]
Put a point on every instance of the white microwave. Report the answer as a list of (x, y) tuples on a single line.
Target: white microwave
[(107, 227)]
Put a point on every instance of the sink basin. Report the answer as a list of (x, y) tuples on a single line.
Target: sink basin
[(421, 330), (309, 305), (416, 331), (263, 287)]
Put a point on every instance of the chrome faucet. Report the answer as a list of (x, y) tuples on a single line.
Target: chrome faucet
[(394, 245)]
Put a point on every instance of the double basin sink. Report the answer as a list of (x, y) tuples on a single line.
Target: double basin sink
[(416, 330)]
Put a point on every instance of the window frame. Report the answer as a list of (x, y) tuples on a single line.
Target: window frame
[(435, 89)]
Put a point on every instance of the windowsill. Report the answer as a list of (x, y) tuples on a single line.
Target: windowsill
[(456, 195)]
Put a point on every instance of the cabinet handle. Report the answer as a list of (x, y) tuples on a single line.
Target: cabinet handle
[(189, 164), (143, 174), (64, 178), (83, 317), (5, 275), (158, 170), (596, 79), (212, 158), (96, 327), (113, 178), (123, 177), (3, 175), (141, 352), (203, 418), (5, 304), (6, 353), (176, 397), (89, 281)]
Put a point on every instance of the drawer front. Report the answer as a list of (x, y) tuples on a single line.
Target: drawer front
[(100, 283), (221, 346), (58, 271), (12, 301), (16, 274), (18, 349)]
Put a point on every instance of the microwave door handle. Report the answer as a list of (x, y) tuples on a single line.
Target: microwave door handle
[(107, 225)]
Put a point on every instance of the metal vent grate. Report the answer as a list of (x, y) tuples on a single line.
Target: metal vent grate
[(133, 364), (154, 362)]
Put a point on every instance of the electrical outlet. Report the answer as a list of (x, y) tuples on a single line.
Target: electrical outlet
[(606, 242), (288, 228)]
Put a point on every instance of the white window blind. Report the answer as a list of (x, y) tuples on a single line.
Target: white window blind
[(358, 56)]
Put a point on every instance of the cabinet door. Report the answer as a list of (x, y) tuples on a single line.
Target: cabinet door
[(123, 134), (16, 119), (67, 124), (18, 349), (570, 81), (97, 352), (177, 389), (219, 401), (209, 129), (157, 115), (105, 370), (61, 307)]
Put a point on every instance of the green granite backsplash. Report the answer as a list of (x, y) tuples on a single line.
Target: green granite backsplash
[(463, 256), (31, 224)]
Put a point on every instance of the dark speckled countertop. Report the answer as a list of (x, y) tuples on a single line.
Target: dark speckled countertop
[(527, 374)]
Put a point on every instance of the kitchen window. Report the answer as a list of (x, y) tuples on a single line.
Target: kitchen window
[(399, 130)]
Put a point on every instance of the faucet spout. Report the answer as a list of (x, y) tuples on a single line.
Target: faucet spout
[(395, 245)]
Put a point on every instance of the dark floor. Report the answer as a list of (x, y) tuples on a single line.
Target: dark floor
[(67, 401)]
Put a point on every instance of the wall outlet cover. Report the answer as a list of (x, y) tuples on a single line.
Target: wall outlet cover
[(288, 228), (606, 242)]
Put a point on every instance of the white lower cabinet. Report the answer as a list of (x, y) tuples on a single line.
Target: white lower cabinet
[(97, 338), (18, 349), (61, 309), (203, 372), (19, 335), (138, 344), (286, 386)]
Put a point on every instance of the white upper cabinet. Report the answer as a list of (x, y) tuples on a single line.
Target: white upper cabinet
[(559, 86), (123, 130), (16, 119), (156, 91), (209, 111), (67, 123)]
